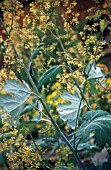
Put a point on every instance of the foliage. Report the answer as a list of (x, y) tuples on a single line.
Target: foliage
[(69, 112), (14, 104), (55, 93), (98, 122)]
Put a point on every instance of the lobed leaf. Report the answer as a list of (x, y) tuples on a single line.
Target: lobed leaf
[(93, 72), (37, 118), (68, 112), (13, 103)]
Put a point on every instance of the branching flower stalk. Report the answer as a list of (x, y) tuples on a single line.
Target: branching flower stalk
[(83, 97), (71, 71), (74, 152)]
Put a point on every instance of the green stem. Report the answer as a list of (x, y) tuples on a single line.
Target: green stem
[(37, 148), (7, 165), (82, 94), (75, 146), (33, 141)]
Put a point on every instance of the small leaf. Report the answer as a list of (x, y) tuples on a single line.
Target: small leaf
[(93, 72), (40, 106), (26, 128), (51, 73), (73, 43), (27, 108), (14, 104), (37, 51), (68, 112), (99, 123), (36, 118)]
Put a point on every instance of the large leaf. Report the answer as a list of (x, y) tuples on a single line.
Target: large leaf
[(14, 87), (90, 115), (69, 111), (49, 74), (93, 71), (99, 123), (13, 103)]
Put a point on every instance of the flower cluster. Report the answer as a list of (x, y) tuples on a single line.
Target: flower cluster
[(20, 153)]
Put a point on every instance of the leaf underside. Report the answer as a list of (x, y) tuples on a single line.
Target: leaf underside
[(13, 103), (68, 112), (93, 72)]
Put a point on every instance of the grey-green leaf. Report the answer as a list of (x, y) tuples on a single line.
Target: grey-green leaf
[(49, 74), (13, 103), (36, 118), (68, 112), (93, 71), (12, 86), (99, 123), (90, 115)]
